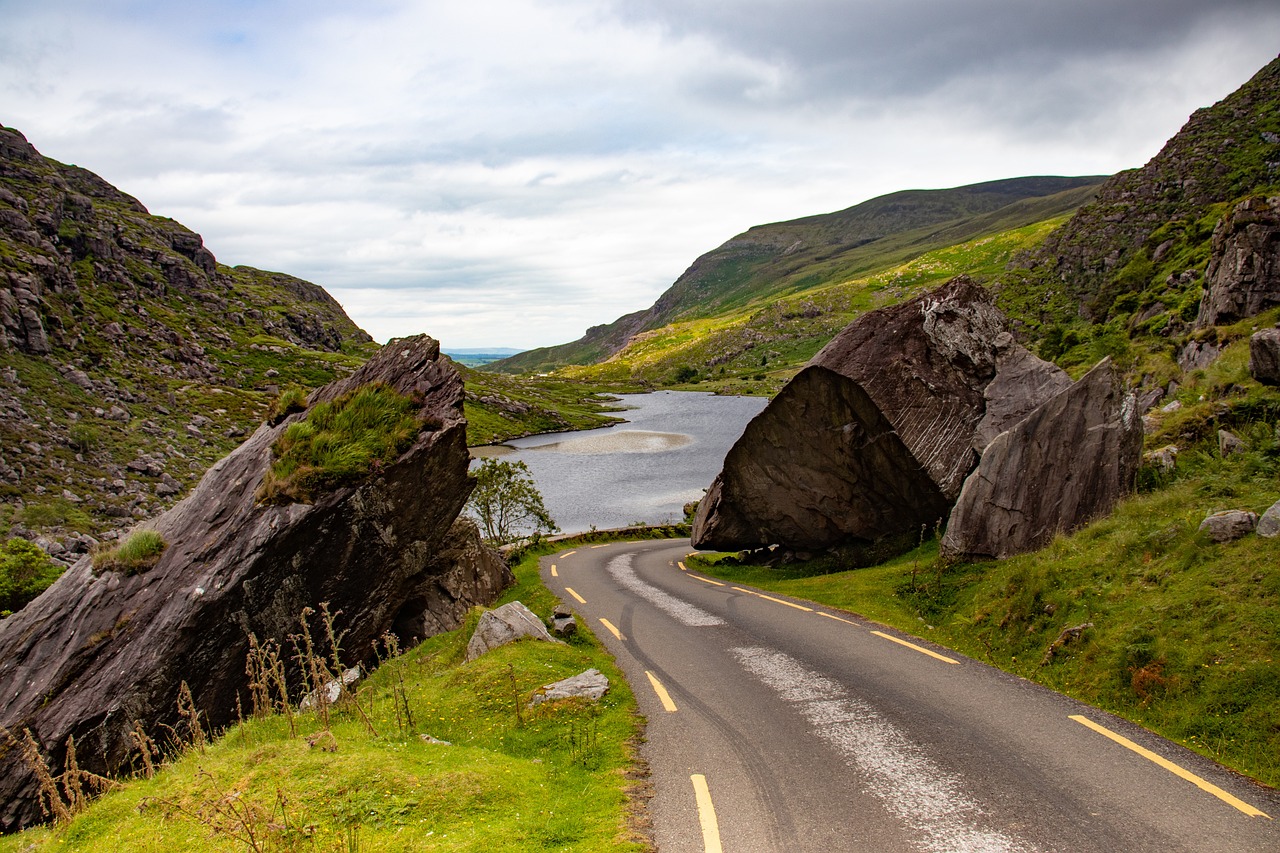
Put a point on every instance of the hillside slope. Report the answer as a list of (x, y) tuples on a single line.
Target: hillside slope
[(130, 359), (784, 258)]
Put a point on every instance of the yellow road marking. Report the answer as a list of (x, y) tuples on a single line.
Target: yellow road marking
[(605, 545), (838, 619), (706, 580), (706, 814), (1176, 770), (919, 649), (554, 573), (612, 629), (567, 553), (777, 600), (569, 590), (682, 566), (663, 696)]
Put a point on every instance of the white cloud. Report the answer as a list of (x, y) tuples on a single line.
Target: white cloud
[(512, 172)]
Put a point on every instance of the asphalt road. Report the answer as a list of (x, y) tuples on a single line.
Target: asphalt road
[(780, 725)]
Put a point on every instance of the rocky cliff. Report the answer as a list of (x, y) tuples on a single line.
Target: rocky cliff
[(102, 649)]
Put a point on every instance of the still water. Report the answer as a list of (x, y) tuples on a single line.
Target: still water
[(645, 470)]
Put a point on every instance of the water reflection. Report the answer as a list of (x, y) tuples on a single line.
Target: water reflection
[(645, 470)]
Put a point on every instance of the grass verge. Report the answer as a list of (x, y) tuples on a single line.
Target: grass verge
[(514, 778)]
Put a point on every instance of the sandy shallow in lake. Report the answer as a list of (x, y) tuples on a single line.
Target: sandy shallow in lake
[(613, 441)]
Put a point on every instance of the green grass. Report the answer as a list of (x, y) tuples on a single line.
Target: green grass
[(140, 550), (553, 778), (1186, 636), (339, 442)]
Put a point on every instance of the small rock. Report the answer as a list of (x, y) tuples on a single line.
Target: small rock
[(1229, 443), (503, 625), (1164, 458), (117, 413), (1229, 525), (1171, 407), (429, 739), (589, 685), (332, 690), (564, 626), (1269, 524)]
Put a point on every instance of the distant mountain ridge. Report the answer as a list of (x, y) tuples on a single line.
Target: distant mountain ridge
[(768, 261)]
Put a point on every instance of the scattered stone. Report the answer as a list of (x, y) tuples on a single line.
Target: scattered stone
[(506, 624), (332, 690), (1229, 525), (562, 622), (426, 738), (194, 431), (1264, 356), (1229, 443), (589, 685), (117, 413), (1162, 458), (1170, 408), (1269, 523)]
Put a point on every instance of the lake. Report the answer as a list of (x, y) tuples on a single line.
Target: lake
[(666, 455)]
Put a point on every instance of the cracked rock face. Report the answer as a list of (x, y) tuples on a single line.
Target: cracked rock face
[(1243, 278), (876, 436), (94, 653), (1067, 463)]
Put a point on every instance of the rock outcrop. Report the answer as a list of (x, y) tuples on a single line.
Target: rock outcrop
[(1066, 463), (1243, 278), (875, 437), (506, 624), (96, 652)]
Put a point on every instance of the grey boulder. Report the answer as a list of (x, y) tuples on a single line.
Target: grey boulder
[(506, 624)]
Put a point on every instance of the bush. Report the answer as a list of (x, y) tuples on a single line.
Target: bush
[(139, 552), (25, 572), (506, 503), (340, 442)]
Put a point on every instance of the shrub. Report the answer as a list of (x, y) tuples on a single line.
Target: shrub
[(25, 572), (339, 443), (137, 553)]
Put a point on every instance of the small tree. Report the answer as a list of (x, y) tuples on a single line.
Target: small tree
[(506, 503)]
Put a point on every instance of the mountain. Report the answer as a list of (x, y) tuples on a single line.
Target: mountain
[(130, 359), (784, 258)]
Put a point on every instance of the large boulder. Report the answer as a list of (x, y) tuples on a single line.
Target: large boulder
[(1066, 463), (929, 363), (874, 438), (821, 466), (1243, 277), (98, 651)]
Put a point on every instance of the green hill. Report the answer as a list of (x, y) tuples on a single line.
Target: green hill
[(768, 262)]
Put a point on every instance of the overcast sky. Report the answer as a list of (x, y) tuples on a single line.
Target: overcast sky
[(509, 172)]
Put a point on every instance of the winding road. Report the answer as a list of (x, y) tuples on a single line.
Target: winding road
[(780, 725)]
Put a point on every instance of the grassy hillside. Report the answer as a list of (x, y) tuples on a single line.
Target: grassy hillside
[(756, 350), (369, 779), (770, 262)]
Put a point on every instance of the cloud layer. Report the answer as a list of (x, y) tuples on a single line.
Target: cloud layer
[(512, 172)]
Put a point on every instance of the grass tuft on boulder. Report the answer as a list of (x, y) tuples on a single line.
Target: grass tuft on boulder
[(138, 552), (340, 442)]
